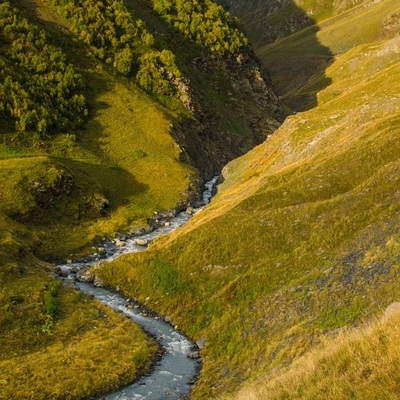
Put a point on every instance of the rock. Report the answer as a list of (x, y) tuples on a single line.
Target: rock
[(193, 355), (74, 269), (141, 242), (68, 262), (167, 224), (167, 214), (97, 282), (167, 318), (61, 272), (200, 343), (101, 250), (85, 275), (140, 231), (119, 242), (190, 211)]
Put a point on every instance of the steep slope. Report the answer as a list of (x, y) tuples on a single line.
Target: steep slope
[(266, 22), (302, 239), (357, 364)]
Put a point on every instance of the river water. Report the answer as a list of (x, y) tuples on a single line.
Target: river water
[(173, 375)]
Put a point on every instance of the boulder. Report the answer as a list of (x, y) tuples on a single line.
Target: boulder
[(101, 250), (119, 242), (193, 355), (190, 211), (85, 275), (61, 272), (97, 282), (141, 242)]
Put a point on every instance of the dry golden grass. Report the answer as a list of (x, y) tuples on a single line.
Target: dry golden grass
[(360, 363)]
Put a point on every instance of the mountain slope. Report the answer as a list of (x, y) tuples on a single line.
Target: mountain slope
[(302, 239), (106, 119)]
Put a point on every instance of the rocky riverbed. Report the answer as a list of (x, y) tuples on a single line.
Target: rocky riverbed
[(179, 363)]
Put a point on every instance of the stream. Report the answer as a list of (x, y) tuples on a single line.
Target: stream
[(175, 372)]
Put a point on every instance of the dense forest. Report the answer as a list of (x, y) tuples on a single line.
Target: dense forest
[(204, 22), (38, 89), (42, 92), (120, 39)]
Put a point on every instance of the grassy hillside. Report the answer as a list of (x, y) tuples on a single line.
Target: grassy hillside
[(91, 106), (265, 22), (302, 239), (54, 341), (305, 55), (357, 364)]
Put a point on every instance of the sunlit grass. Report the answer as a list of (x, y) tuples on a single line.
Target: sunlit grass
[(294, 245), (357, 364), (88, 350)]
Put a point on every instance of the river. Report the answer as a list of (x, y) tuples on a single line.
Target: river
[(175, 372)]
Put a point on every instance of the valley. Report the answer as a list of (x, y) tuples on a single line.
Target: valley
[(285, 277)]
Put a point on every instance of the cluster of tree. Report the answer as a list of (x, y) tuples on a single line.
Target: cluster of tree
[(158, 72), (204, 22), (118, 38), (110, 30), (37, 88)]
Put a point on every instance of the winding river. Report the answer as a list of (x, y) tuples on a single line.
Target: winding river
[(173, 375)]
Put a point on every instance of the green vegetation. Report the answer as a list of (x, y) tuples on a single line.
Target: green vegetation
[(302, 239), (54, 341), (39, 90), (204, 22), (118, 38), (70, 177), (110, 30), (158, 73)]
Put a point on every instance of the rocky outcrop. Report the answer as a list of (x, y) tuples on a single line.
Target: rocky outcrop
[(233, 106), (47, 189)]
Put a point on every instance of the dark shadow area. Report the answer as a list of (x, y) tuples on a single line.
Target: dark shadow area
[(285, 39), (117, 184)]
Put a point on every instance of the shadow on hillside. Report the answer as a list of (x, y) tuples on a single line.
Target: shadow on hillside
[(94, 138), (286, 41)]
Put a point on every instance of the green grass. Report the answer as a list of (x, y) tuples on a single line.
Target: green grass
[(54, 341), (93, 349), (301, 240)]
